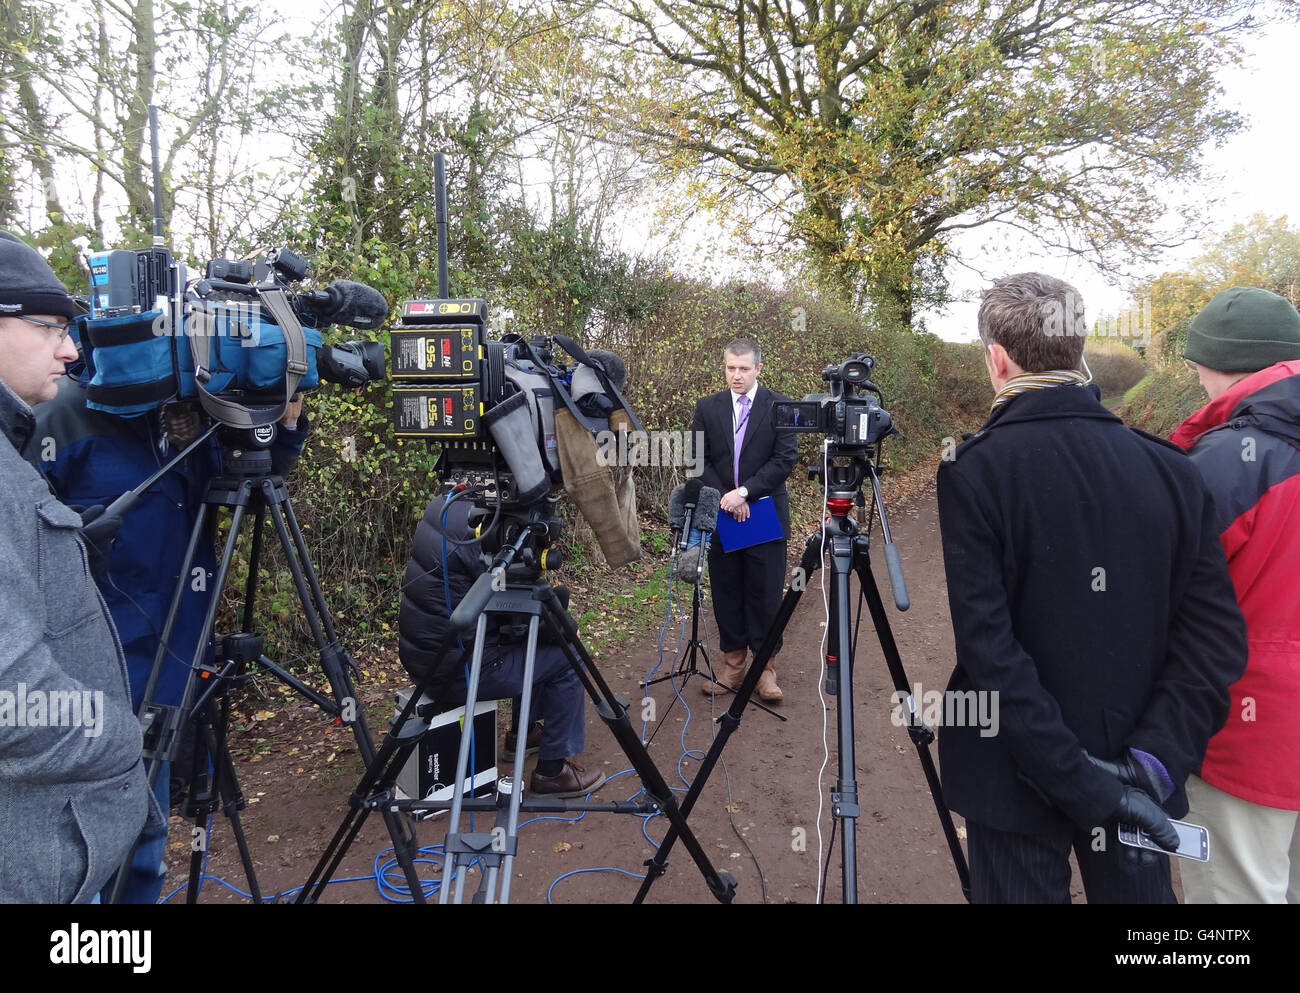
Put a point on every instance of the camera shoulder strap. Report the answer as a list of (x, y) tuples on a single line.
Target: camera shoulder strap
[(611, 391), (276, 300)]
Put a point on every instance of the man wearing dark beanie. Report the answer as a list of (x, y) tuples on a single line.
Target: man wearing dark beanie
[(73, 791), (1245, 348)]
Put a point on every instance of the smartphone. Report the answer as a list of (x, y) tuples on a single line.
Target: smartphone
[(1193, 840)]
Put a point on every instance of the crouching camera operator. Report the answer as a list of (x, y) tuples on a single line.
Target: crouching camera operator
[(444, 564)]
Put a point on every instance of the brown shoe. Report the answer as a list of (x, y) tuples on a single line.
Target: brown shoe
[(767, 689), (729, 675), (572, 781)]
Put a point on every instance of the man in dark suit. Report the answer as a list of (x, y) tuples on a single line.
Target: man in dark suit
[(1090, 598), (745, 460)]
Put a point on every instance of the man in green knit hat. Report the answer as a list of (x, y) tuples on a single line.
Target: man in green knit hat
[(1245, 348)]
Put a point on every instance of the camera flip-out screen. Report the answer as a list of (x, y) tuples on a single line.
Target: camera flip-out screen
[(797, 415)]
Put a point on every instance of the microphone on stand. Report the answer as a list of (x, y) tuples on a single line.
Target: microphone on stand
[(681, 506), (690, 561)]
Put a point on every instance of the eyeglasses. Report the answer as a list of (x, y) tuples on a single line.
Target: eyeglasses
[(63, 328)]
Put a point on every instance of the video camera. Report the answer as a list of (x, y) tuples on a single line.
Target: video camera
[(240, 341), (849, 415), (492, 401)]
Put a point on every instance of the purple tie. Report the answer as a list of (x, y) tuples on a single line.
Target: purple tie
[(741, 422)]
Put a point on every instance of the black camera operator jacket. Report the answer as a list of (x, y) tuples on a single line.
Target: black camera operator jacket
[(1089, 592), (423, 621)]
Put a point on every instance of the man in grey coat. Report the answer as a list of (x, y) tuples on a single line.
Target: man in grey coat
[(73, 791)]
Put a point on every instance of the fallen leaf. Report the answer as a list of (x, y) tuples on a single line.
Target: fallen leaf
[(561, 846), (263, 715), (732, 808), (272, 837)]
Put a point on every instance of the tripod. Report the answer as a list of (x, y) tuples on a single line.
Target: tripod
[(686, 666), (849, 548), (508, 588), (247, 482)]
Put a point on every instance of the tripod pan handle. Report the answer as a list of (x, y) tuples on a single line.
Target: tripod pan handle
[(896, 581), (467, 611)]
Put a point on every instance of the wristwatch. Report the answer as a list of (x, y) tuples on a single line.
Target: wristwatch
[(743, 491)]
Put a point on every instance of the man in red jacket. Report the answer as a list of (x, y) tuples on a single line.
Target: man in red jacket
[(1245, 347)]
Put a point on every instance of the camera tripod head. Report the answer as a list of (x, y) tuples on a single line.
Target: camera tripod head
[(246, 451), (518, 539), (843, 472)]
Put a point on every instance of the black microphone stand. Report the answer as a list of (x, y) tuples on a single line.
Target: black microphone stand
[(687, 666)]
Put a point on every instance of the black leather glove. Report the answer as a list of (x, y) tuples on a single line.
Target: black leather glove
[(1138, 809), (98, 531), (1140, 769)]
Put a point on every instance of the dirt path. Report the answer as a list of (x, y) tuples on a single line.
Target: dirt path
[(771, 768)]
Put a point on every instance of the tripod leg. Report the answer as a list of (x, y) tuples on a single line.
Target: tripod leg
[(254, 567), (226, 787), (451, 851), (173, 611), (185, 713), (318, 597), (196, 805), (722, 885), (844, 796), (921, 735), (168, 720), (336, 662), (521, 748)]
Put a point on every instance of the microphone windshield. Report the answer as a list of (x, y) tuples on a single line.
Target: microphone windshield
[(613, 365), (688, 564), (706, 514), (345, 302), (692, 495), (677, 507)]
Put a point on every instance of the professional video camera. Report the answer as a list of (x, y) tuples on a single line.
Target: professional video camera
[(239, 341), (480, 398), (849, 416), (513, 418)]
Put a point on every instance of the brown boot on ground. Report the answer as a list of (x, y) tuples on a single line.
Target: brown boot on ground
[(767, 690), (729, 674), (572, 781)]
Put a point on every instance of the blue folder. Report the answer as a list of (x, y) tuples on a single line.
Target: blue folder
[(762, 526)]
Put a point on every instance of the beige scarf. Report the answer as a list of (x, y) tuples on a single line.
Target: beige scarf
[(1025, 382)]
